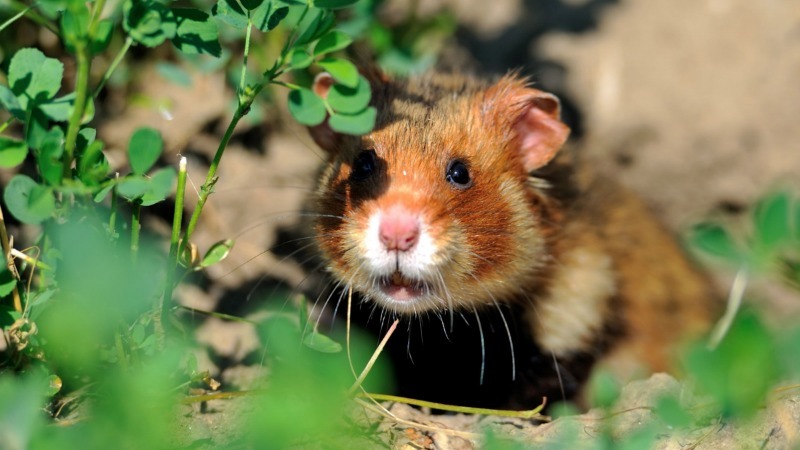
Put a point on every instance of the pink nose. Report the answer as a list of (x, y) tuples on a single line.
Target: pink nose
[(399, 229)]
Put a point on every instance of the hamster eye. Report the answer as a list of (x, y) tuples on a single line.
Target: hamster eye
[(364, 165), (458, 175)]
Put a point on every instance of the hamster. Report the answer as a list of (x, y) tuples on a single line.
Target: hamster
[(516, 272)]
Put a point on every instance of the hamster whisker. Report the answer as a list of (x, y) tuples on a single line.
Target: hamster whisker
[(483, 344)]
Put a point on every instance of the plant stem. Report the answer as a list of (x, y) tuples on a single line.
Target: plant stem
[(135, 226), (172, 261), (81, 88), (112, 219), (6, 244), (211, 177), (13, 19), (97, 11), (113, 66), (34, 16), (6, 123), (121, 357), (32, 261), (244, 58), (245, 101)]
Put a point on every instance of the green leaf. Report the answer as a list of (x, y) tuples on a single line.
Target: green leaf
[(28, 201), (669, 410), (59, 109), (133, 187), (74, 26), (331, 42), (144, 149), (342, 70), (310, 26), (49, 157), (713, 239), (36, 128), (321, 343), (300, 59), (12, 152), (85, 137), (306, 107), (740, 372), (54, 385), (7, 279), (160, 186), (253, 4), (260, 16), (355, 124), (772, 218), (92, 164), (229, 12), (604, 389), (196, 33), (33, 77), (217, 252), (102, 36), (102, 193), (276, 18), (9, 101), (334, 4), (148, 22), (350, 100)]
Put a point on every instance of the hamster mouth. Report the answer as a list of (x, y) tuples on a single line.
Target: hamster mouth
[(401, 288)]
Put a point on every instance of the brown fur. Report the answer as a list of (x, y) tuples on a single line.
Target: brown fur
[(592, 271)]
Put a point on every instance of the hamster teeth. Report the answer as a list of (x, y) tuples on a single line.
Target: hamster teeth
[(399, 280)]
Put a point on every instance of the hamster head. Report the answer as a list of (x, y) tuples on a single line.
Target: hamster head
[(435, 209)]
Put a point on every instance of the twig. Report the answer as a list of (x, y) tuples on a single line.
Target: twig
[(528, 414), (380, 410), (372, 360)]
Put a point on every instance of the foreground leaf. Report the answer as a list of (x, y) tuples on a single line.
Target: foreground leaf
[(334, 4), (772, 219), (34, 77), (343, 70), (350, 100), (331, 42), (7, 279), (28, 201), (355, 124), (306, 107), (12, 152), (321, 343), (149, 23), (217, 253), (196, 33), (713, 239), (160, 186), (144, 149)]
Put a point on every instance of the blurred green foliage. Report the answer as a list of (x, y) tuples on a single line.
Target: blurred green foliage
[(87, 311)]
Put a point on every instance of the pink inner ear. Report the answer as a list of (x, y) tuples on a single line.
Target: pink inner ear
[(322, 134), (322, 84), (540, 131)]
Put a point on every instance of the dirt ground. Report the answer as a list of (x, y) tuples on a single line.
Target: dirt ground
[(692, 103)]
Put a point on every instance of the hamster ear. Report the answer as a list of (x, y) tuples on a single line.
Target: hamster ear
[(323, 134), (539, 128)]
